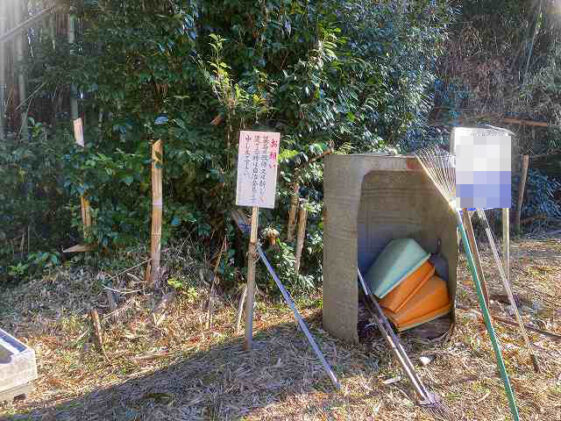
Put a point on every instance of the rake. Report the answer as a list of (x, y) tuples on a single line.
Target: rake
[(427, 399), (440, 167)]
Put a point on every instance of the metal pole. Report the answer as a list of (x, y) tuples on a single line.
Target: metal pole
[(299, 319)]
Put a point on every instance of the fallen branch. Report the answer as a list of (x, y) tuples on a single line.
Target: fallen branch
[(513, 323), (158, 315), (240, 309), (98, 335)]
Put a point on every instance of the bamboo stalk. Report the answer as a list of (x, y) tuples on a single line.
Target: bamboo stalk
[(521, 188), (3, 28), (466, 219), (294, 200), (73, 91), (20, 56), (301, 237), (251, 260), (157, 210)]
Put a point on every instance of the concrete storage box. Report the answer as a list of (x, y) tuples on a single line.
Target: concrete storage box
[(369, 201), (17, 367)]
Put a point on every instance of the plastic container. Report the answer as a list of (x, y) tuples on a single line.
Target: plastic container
[(17, 367), (428, 303), (399, 259), (400, 295)]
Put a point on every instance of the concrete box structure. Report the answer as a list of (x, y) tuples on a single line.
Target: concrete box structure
[(17, 367), (369, 200)]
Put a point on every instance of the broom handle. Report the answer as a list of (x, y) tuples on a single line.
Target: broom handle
[(508, 289), (487, 319)]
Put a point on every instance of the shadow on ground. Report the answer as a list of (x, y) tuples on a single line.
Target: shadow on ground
[(224, 382)]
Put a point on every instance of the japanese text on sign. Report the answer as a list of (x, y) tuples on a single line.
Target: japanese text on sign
[(257, 169)]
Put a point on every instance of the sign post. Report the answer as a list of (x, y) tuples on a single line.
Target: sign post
[(256, 187)]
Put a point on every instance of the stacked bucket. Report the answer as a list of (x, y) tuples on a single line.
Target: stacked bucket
[(405, 282)]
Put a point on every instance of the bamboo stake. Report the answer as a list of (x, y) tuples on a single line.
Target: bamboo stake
[(294, 199), (302, 219), (521, 188), (466, 219), (251, 260), (157, 210), (506, 242)]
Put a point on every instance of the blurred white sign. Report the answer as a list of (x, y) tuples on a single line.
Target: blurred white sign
[(483, 167), (257, 169)]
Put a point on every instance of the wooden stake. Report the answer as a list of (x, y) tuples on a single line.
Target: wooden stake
[(294, 199), (506, 241), (476, 256), (215, 280), (251, 260), (240, 309), (300, 239), (98, 334), (157, 210), (521, 188)]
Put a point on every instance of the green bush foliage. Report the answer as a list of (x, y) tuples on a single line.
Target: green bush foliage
[(351, 75)]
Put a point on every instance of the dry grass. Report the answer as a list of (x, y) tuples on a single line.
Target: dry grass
[(182, 370)]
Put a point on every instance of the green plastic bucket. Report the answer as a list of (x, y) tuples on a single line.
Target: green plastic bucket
[(399, 259)]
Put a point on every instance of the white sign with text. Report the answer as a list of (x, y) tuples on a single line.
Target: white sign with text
[(258, 154)]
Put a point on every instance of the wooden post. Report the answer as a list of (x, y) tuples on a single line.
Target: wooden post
[(251, 260), (521, 188), (506, 241), (301, 237), (294, 199), (475, 252), (157, 210)]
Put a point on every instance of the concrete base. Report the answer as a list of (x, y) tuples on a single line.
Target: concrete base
[(19, 392), (17, 367), (370, 200)]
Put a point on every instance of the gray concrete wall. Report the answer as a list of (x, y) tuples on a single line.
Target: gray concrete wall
[(370, 200)]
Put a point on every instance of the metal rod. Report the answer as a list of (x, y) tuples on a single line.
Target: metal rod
[(487, 319), (395, 345), (301, 321), (507, 287)]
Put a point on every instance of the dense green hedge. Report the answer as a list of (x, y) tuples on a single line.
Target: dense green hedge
[(354, 74)]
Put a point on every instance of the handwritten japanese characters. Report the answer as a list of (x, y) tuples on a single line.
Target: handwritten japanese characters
[(257, 169)]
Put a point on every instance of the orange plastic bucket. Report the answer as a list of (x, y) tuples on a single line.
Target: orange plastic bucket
[(400, 295), (428, 303)]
